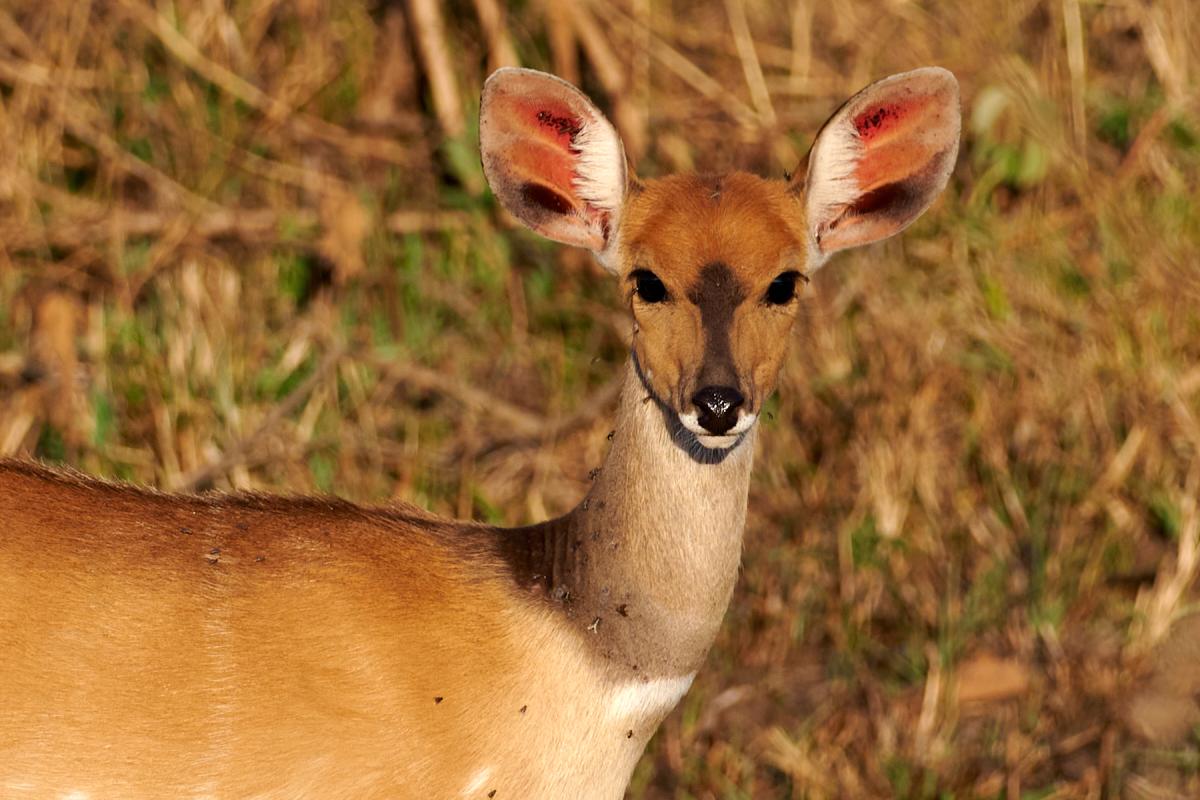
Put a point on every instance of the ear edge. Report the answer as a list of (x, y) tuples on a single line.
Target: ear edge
[(582, 213), (827, 178)]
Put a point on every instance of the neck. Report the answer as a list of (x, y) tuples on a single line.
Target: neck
[(646, 564)]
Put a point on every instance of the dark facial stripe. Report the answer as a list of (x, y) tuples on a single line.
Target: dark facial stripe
[(717, 293)]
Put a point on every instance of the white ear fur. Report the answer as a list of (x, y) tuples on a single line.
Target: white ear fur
[(601, 180), (831, 184), (881, 160), (553, 159), (600, 172)]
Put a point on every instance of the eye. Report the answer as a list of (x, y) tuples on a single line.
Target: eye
[(648, 286), (783, 289)]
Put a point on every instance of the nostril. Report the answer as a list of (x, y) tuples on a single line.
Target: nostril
[(717, 407)]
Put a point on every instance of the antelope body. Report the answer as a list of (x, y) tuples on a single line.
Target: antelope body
[(247, 646)]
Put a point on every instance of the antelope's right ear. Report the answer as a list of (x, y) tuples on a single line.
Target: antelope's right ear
[(552, 159)]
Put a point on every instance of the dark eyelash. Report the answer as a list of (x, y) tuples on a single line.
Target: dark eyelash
[(783, 289), (648, 287)]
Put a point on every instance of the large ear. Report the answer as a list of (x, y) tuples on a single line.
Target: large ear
[(881, 160), (552, 158)]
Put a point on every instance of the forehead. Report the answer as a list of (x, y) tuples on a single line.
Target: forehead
[(680, 224)]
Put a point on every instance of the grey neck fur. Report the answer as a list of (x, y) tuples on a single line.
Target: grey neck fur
[(645, 566)]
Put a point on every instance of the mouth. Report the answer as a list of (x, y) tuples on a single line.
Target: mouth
[(712, 441), (700, 443)]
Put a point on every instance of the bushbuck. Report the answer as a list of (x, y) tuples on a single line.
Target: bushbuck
[(251, 646)]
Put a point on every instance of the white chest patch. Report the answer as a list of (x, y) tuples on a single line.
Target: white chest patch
[(639, 700), (477, 782)]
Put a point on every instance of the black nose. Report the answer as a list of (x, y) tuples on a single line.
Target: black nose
[(718, 407)]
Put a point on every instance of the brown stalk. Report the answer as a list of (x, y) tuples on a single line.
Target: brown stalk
[(245, 224), (500, 47), (430, 33), (685, 69), (739, 26), (261, 226), (501, 413), (612, 75), (236, 86), (238, 452), (1077, 65), (559, 28), (801, 62)]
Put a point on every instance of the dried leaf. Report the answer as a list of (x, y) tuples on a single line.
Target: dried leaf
[(346, 223), (984, 678), (1166, 710)]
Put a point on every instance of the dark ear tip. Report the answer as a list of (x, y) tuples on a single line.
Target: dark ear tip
[(500, 80), (937, 81), (512, 78), (931, 73), (937, 78), (510, 73)]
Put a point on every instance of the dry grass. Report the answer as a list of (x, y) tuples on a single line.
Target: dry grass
[(247, 244)]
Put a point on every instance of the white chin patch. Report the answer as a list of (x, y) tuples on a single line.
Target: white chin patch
[(717, 442), (691, 421)]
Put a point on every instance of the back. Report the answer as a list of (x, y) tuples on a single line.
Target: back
[(161, 645)]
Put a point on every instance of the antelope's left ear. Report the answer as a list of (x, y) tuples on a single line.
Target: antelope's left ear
[(881, 160)]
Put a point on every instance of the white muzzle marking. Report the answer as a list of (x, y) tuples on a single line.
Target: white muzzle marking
[(691, 421)]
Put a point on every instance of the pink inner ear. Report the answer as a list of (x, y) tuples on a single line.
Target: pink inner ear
[(876, 121), (893, 144), (882, 121), (545, 163), (893, 147), (542, 148), (549, 121)]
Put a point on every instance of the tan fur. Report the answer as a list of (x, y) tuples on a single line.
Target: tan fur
[(676, 226), (244, 646), (259, 647), (305, 658)]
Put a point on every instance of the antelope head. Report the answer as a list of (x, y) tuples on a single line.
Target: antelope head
[(713, 264)]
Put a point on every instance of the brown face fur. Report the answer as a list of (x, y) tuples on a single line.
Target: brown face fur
[(716, 243)]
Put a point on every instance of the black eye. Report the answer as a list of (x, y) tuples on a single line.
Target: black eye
[(648, 286), (783, 289)]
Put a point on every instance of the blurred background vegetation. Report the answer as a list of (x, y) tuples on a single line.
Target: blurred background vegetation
[(247, 244)]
